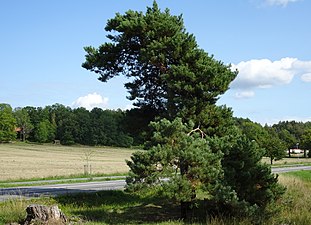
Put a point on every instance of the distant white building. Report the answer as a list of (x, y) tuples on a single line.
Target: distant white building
[(296, 150)]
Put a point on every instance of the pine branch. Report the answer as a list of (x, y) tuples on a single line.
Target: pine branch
[(199, 130)]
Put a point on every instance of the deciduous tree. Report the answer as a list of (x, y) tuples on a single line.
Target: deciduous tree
[(23, 122), (275, 148), (7, 123), (306, 141), (44, 132)]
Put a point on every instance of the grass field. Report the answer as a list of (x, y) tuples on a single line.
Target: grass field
[(27, 161), (296, 203)]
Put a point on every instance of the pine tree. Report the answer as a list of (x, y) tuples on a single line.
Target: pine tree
[(194, 149), (180, 160), (169, 74)]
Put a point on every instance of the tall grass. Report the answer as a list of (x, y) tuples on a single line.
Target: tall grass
[(118, 207), (304, 175), (296, 203), (14, 210)]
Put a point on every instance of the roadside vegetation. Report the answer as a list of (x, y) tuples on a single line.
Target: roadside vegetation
[(296, 203), (149, 207), (61, 180)]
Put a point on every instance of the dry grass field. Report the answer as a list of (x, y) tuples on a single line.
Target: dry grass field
[(26, 161), (295, 159)]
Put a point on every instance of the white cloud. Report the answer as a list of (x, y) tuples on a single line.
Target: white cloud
[(91, 101), (244, 94), (264, 73), (279, 2), (306, 77), (302, 65)]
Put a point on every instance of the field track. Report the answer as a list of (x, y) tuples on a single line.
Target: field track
[(25, 161)]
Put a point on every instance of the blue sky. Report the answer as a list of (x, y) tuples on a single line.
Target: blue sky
[(268, 41)]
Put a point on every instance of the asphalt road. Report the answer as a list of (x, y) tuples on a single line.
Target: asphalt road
[(290, 169), (61, 189)]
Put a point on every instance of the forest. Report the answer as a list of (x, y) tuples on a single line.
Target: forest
[(68, 126)]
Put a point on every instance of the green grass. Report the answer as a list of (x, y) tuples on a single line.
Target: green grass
[(107, 207), (111, 207), (70, 181), (72, 176), (290, 165), (119, 207), (296, 203), (14, 210), (60, 180), (304, 175)]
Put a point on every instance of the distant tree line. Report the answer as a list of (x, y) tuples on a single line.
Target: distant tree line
[(278, 139), (70, 126), (127, 128)]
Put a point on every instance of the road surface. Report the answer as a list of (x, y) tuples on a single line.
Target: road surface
[(60, 189), (290, 169)]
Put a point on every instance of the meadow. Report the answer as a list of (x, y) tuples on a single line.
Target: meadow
[(22, 161), (294, 160), (119, 207)]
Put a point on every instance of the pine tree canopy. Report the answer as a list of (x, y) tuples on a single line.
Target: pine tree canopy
[(167, 70)]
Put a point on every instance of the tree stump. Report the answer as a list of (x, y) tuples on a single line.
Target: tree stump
[(41, 214)]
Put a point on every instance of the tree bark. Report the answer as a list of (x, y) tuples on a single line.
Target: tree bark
[(184, 209), (24, 135)]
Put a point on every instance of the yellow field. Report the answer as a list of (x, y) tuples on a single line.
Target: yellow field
[(26, 161), (294, 160)]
